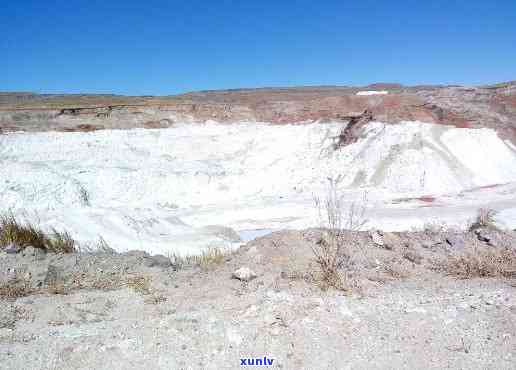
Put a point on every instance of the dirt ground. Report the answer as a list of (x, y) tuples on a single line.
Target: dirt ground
[(405, 305)]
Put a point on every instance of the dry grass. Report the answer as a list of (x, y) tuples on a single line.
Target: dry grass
[(57, 287), (22, 235), (15, 289), (209, 258), (482, 263), (140, 284), (331, 258)]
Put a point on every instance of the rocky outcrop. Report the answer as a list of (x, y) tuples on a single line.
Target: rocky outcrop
[(351, 132), (487, 106)]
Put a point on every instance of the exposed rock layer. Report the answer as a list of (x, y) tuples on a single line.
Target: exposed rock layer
[(488, 106)]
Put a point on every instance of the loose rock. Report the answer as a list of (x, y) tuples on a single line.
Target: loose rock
[(490, 237), (11, 249), (377, 238), (456, 241), (244, 274)]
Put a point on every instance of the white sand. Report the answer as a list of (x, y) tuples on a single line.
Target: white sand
[(157, 190)]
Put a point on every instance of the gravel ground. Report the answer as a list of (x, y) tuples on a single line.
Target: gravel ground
[(133, 311)]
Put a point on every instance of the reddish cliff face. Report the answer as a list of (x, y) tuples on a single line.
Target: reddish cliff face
[(488, 106)]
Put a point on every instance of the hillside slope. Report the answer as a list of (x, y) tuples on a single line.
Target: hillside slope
[(486, 106)]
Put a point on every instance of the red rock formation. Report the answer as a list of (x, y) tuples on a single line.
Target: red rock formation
[(489, 106)]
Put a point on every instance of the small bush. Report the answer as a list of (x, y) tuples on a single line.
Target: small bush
[(482, 263), (23, 235)]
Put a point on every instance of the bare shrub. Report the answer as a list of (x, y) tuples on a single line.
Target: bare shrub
[(22, 235), (483, 263), (484, 218), (331, 254), (101, 246), (84, 196)]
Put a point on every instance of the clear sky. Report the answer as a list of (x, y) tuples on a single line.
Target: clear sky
[(164, 47)]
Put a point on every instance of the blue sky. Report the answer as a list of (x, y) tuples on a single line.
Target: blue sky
[(167, 47)]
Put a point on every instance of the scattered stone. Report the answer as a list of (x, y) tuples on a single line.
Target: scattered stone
[(456, 241), (244, 274), (11, 249), (413, 257), (490, 237), (428, 244)]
